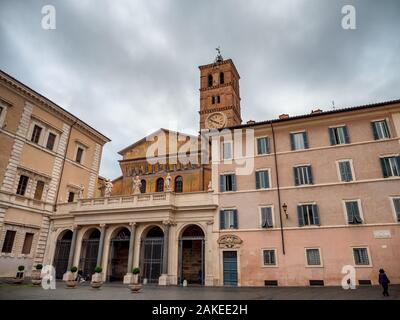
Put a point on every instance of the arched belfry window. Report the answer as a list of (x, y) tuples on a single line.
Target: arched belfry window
[(143, 186), (178, 184), (160, 185), (221, 78), (210, 80)]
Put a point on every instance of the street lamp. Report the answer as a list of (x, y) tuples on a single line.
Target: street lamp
[(284, 207)]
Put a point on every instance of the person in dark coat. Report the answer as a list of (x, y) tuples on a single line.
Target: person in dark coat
[(384, 282)]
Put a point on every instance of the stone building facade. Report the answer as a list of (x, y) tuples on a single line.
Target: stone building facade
[(48, 156)]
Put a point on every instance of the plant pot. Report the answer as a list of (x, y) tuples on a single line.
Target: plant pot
[(70, 283), (18, 280), (135, 287), (36, 277), (95, 284)]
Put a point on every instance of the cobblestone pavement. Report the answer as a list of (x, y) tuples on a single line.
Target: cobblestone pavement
[(122, 292)]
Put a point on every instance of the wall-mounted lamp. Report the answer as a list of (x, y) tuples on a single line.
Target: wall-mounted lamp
[(284, 207)]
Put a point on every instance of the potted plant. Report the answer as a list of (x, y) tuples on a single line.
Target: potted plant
[(19, 278), (70, 281), (135, 285), (97, 278), (36, 275)]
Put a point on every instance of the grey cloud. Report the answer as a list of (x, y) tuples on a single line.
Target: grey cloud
[(130, 67)]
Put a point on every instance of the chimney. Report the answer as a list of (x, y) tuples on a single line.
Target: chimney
[(251, 122), (284, 116), (316, 111)]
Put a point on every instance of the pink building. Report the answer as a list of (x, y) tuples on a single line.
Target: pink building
[(324, 193)]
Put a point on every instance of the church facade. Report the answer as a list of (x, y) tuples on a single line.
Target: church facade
[(184, 209)]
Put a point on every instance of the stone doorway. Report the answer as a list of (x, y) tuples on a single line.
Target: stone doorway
[(151, 255), (191, 255), (89, 252), (61, 254), (119, 252)]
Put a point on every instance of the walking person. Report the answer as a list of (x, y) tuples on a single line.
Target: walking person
[(384, 282)]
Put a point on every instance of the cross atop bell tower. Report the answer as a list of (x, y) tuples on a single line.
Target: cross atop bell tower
[(219, 94)]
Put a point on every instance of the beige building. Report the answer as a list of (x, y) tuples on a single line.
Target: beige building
[(48, 156)]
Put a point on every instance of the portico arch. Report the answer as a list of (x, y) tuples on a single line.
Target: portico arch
[(151, 253), (191, 254), (61, 254), (118, 254), (89, 252)]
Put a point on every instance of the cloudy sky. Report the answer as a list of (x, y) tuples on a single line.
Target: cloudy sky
[(129, 67)]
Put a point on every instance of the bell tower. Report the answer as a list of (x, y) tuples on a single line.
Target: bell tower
[(219, 94)]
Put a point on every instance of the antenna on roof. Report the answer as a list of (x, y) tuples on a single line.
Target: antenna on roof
[(333, 104)]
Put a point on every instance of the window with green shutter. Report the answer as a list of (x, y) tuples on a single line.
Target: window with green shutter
[(266, 217), (302, 175), (390, 166), (353, 212), (263, 145), (308, 215), (339, 135), (346, 174), (228, 219), (299, 140), (227, 182), (380, 129), (396, 204), (262, 179)]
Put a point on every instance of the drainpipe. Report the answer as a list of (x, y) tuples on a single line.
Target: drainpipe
[(278, 189), (62, 168)]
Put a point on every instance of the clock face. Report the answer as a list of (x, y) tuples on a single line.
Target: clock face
[(216, 120)]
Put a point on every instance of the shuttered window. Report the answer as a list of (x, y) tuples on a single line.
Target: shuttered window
[(380, 129), (266, 217), (36, 134), (228, 219), (353, 212), (339, 135), (262, 179), (308, 215), (227, 182), (390, 166), (396, 204), (263, 145), (302, 175), (346, 174), (299, 140)]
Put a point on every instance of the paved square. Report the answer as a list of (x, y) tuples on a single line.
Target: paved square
[(149, 292)]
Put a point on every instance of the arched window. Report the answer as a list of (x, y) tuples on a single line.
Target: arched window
[(210, 80), (213, 100), (143, 186), (221, 78), (218, 99), (160, 185), (178, 184)]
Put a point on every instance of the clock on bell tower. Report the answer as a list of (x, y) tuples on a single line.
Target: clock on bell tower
[(219, 94)]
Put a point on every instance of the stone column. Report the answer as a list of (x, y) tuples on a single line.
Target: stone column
[(101, 244), (128, 278), (68, 274), (163, 280), (208, 263)]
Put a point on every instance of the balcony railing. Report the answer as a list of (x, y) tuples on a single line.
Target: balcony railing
[(139, 201)]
